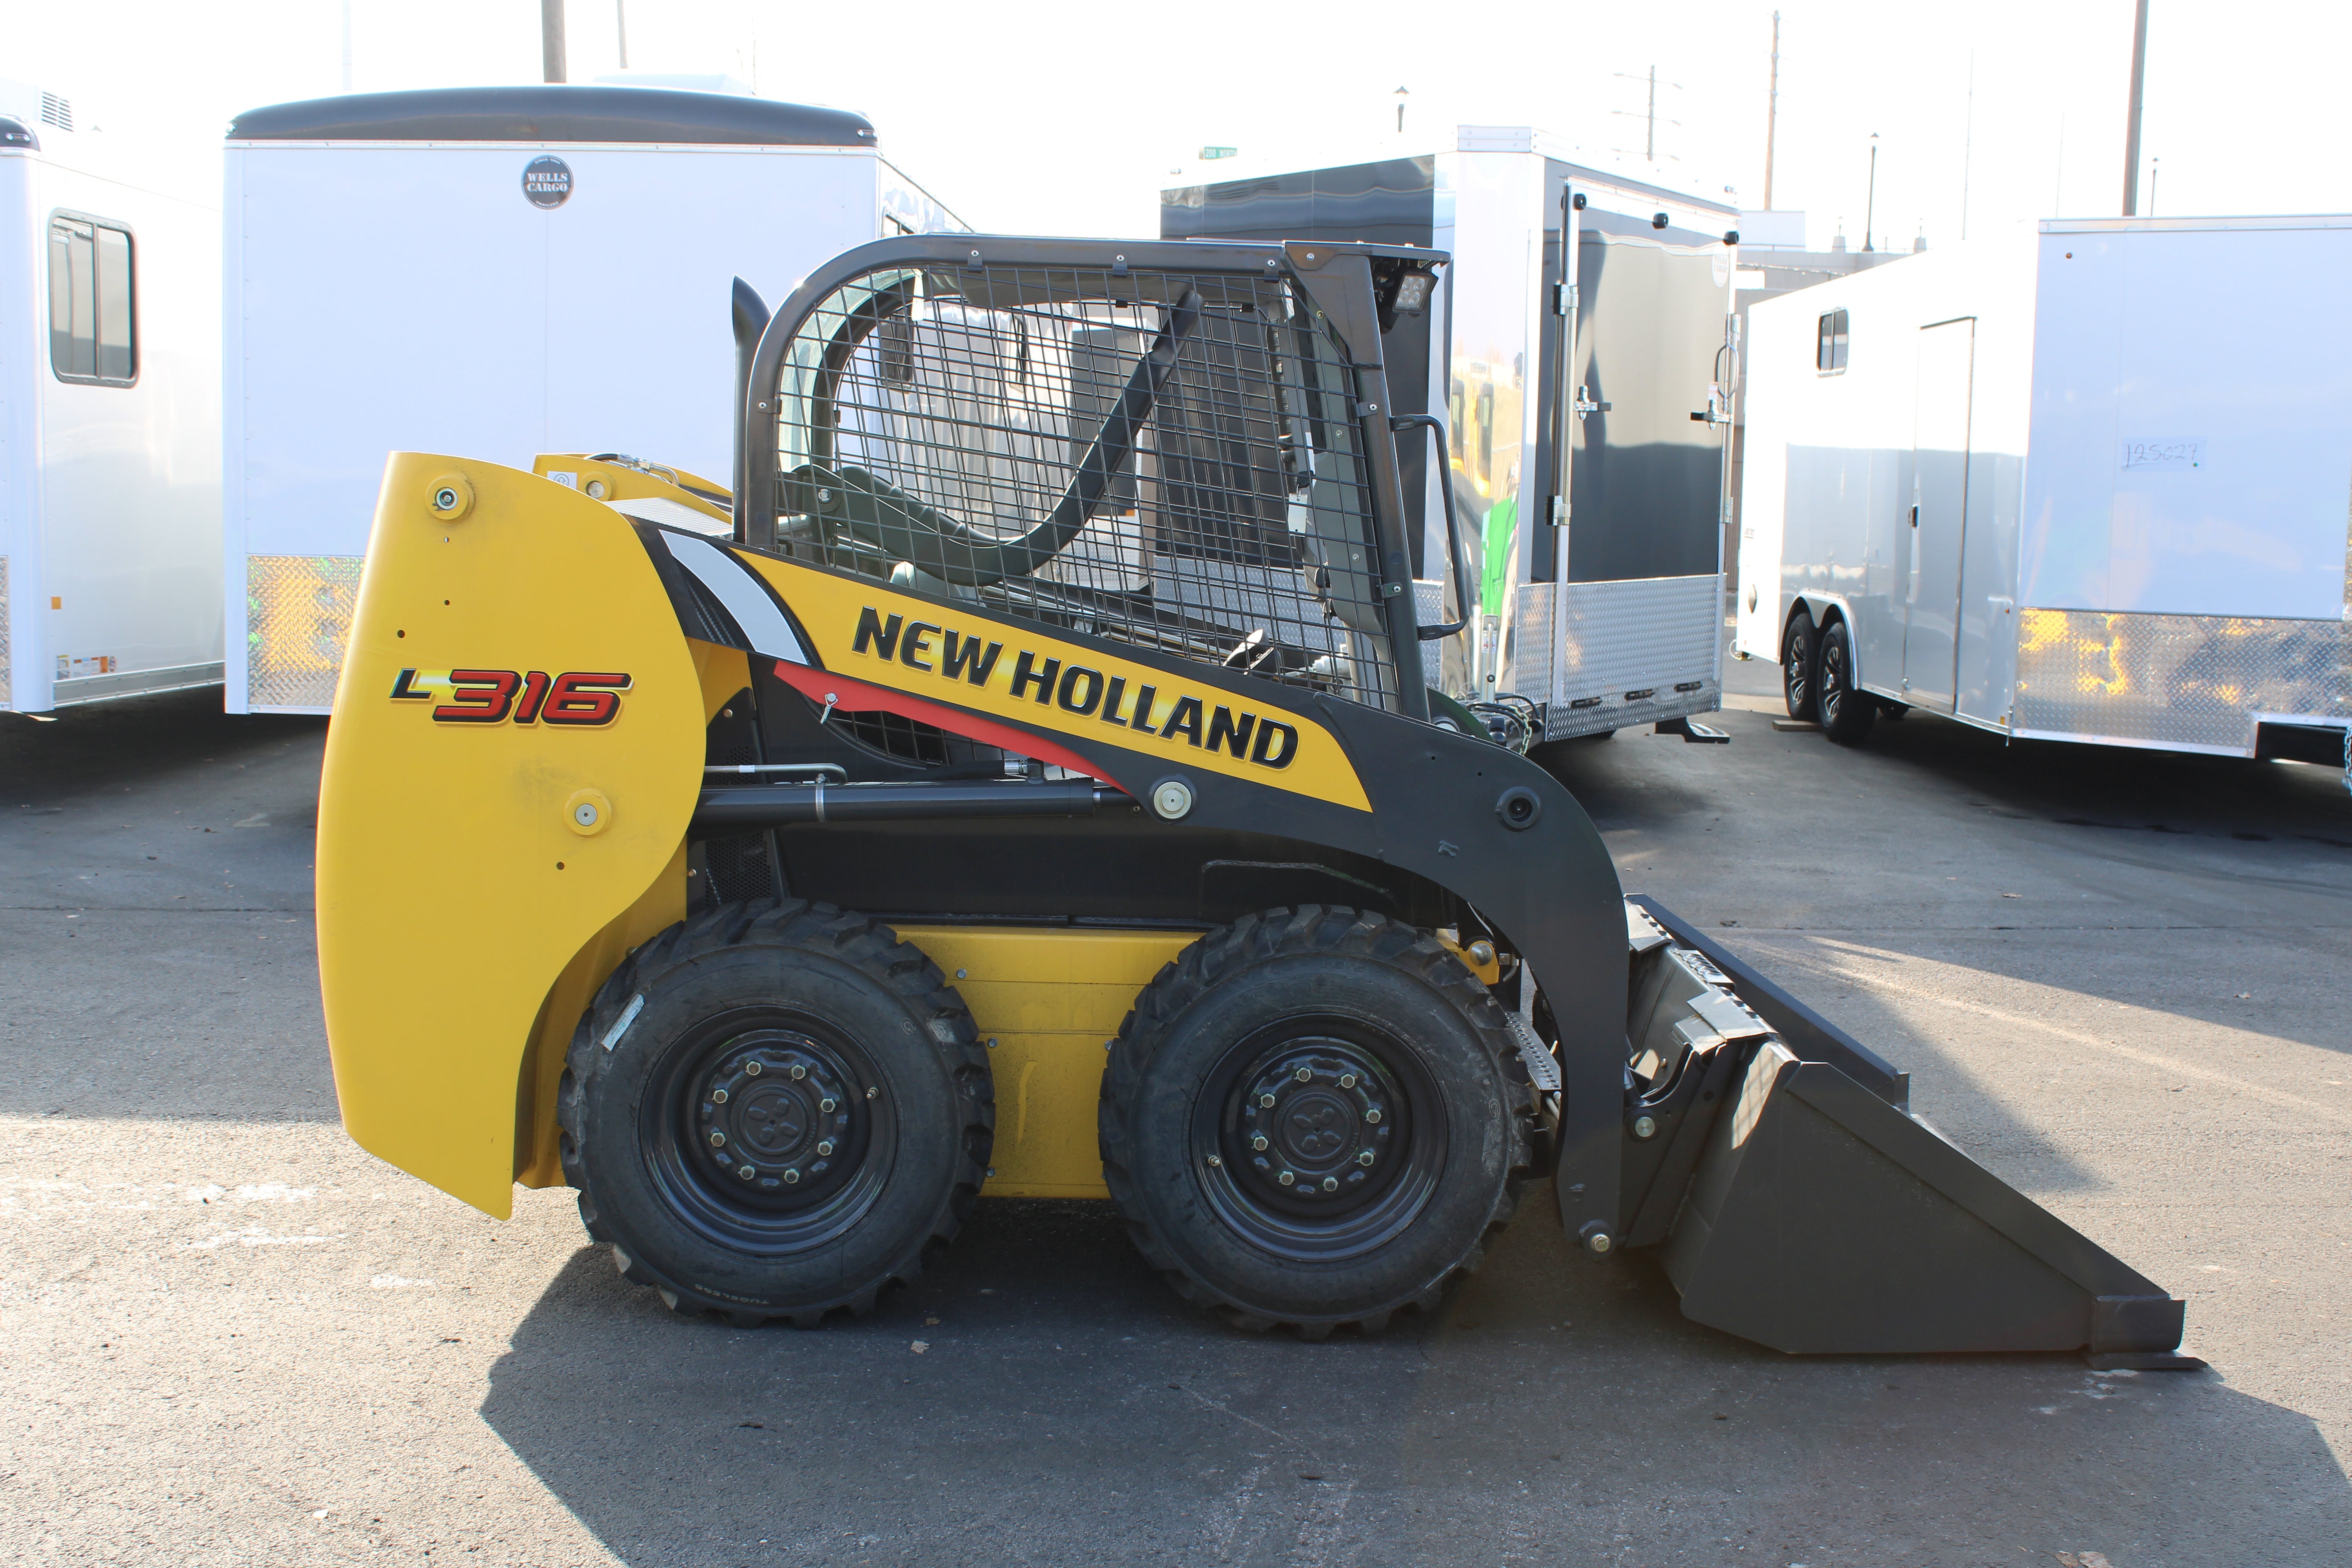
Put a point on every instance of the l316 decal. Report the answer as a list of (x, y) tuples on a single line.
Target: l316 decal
[(585, 697)]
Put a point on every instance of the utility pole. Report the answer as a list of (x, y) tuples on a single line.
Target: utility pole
[(347, 46), (1773, 111), (1650, 138), (1870, 208), (551, 38), (2154, 167), (621, 21), (1402, 94), (2131, 126), (1968, 143)]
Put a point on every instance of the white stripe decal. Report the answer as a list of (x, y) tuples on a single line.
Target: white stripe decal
[(731, 584)]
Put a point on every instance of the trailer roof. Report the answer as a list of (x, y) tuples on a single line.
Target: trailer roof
[(555, 113)]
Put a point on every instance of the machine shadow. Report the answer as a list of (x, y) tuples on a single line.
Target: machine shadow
[(1041, 1398)]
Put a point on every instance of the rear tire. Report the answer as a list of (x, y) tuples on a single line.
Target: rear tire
[(1847, 712), (775, 1110), (1368, 1039), (1797, 657)]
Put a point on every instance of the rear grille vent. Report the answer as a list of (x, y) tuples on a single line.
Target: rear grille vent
[(57, 111)]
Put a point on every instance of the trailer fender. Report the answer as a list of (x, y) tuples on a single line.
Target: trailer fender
[(512, 763)]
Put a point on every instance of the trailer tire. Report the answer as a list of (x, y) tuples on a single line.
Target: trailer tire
[(1847, 711), (775, 1109), (1800, 653), (1407, 1057)]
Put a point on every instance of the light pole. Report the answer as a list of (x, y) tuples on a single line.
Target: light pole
[(1400, 96), (1869, 208), (2131, 117)]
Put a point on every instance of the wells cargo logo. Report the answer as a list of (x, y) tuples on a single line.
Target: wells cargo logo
[(583, 698), (1076, 689)]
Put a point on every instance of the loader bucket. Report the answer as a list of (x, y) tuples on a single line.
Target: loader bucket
[(1799, 1201)]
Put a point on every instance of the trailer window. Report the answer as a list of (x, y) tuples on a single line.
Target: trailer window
[(93, 323), (1829, 352)]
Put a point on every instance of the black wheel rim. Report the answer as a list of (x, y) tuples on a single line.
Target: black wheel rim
[(1833, 673), (1796, 674), (1354, 1123), (768, 1131)]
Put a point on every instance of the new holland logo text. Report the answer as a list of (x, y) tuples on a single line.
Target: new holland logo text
[(1075, 688), (585, 697)]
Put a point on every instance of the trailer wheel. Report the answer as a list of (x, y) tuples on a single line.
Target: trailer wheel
[(775, 1109), (1313, 1117), (1847, 712), (1799, 649)]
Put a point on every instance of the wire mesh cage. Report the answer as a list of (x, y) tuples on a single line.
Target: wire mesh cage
[(1167, 458)]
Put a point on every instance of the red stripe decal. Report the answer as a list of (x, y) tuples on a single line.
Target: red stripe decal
[(860, 697)]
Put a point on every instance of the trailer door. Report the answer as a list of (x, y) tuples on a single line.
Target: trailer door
[(1939, 514)]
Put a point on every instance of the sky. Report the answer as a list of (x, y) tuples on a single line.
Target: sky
[(1068, 119)]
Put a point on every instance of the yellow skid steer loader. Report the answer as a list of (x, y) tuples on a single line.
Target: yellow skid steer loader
[(1024, 783)]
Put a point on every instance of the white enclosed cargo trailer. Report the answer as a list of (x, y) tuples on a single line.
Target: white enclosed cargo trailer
[(1583, 360), (503, 271), (109, 411), (2092, 483)]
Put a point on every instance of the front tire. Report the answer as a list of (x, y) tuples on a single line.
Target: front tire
[(1847, 712), (1797, 657), (1314, 1118), (775, 1110)]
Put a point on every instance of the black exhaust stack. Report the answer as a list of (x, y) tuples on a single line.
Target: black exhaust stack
[(751, 321)]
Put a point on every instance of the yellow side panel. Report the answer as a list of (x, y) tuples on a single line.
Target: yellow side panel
[(1051, 1000), (454, 888)]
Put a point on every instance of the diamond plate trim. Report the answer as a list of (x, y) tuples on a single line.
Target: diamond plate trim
[(2193, 680), (298, 618), (1644, 634)]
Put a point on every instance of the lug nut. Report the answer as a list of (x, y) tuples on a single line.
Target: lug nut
[(800, 1072), (790, 1175), (1304, 1075), (1644, 1127), (1258, 1141), (1347, 1081), (752, 1066), (1373, 1114), (718, 1138), (1330, 1184), (1365, 1158), (745, 1172), (718, 1096), (1286, 1178), (825, 1105), (1266, 1100), (824, 1146)]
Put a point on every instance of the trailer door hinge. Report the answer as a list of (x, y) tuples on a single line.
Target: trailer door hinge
[(1559, 512), (1563, 298)]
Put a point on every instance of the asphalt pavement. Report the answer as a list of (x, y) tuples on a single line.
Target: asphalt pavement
[(2118, 979)]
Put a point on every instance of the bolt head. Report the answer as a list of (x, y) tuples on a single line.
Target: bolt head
[(1600, 1242), (751, 1067), (1171, 799), (790, 1175), (1365, 1158), (584, 813), (1265, 1100), (824, 1146), (1373, 1114), (1347, 1081), (746, 1172), (597, 490), (718, 1138), (1645, 1127), (445, 499), (800, 1072), (718, 1096), (825, 497), (1330, 1184), (1304, 1075), (1479, 953), (1287, 1179), (1258, 1141), (826, 1105)]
